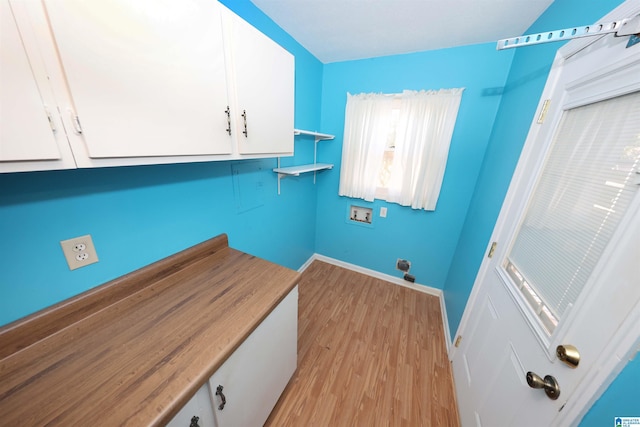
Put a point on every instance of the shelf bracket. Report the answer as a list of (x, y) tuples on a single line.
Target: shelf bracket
[(279, 176), (297, 170), (315, 157)]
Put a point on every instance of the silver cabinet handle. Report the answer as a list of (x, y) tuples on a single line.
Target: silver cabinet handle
[(228, 111), (244, 116)]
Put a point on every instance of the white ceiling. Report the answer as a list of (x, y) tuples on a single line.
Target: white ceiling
[(342, 30)]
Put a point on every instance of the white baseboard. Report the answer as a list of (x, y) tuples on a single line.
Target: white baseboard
[(396, 280), (307, 263), (445, 323), (392, 279)]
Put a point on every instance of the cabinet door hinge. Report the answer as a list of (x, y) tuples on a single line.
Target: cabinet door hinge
[(52, 125), (77, 127), (457, 343)]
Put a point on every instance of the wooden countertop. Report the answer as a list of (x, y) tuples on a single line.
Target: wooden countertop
[(132, 352)]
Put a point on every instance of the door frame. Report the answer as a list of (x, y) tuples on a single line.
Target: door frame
[(626, 343)]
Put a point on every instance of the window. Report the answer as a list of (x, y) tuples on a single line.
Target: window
[(395, 146), (581, 197), (384, 175)]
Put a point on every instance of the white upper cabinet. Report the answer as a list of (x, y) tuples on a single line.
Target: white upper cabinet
[(120, 82), (31, 134), (263, 75), (147, 78)]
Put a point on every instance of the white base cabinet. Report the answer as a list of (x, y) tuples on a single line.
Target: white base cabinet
[(253, 377), (197, 412)]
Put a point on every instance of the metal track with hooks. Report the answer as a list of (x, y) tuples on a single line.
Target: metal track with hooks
[(624, 27)]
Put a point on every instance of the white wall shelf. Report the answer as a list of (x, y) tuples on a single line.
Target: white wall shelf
[(318, 136), (313, 167), (297, 170)]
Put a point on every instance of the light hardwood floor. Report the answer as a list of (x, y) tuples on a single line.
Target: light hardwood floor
[(370, 353)]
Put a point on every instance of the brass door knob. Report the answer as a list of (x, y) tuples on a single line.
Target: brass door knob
[(549, 384)]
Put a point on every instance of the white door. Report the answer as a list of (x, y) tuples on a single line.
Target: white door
[(515, 320)]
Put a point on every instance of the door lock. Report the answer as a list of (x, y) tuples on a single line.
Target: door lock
[(549, 384), (568, 354)]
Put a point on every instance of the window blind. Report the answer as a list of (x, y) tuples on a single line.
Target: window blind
[(586, 185)]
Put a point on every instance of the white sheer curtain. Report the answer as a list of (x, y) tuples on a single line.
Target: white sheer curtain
[(367, 119), (423, 136)]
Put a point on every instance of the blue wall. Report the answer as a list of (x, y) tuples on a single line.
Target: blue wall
[(620, 400), (137, 215), (427, 239)]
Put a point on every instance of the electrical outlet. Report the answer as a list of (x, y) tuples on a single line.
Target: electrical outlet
[(79, 251)]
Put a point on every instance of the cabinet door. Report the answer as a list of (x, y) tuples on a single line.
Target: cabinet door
[(255, 375), (264, 89), (147, 78), (199, 406), (31, 134)]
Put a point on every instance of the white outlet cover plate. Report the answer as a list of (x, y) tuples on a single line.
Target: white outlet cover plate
[(79, 251)]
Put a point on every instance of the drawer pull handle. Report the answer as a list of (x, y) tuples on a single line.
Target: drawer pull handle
[(224, 399)]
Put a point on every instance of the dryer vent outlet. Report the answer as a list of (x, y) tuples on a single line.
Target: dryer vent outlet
[(403, 265)]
